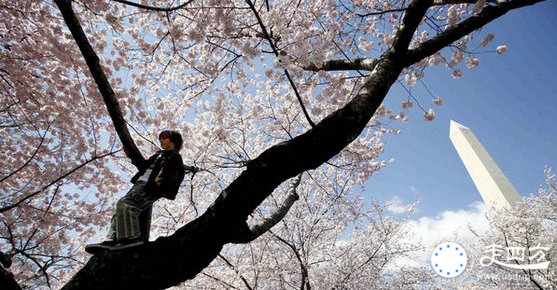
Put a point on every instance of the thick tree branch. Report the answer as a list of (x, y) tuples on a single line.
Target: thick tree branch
[(412, 18), (153, 8), (435, 3), (366, 64), (463, 28), (256, 231), (451, 2), (5, 260), (97, 72), (171, 260), (7, 280)]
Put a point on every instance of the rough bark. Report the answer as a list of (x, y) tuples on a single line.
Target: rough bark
[(7, 280), (171, 260), (365, 64)]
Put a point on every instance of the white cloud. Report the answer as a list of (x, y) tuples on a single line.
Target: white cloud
[(448, 226), (397, 206)]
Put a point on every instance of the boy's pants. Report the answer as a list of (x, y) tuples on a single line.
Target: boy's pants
[(133, 215)]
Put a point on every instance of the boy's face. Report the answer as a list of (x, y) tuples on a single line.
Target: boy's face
[(167, 144)]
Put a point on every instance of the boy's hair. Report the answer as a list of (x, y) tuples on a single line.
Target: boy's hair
[(174, 136)]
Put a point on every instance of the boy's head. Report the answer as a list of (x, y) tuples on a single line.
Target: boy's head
[(174, 136)]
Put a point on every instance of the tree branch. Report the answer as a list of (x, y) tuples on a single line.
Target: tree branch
[(275, 51), (303, 268), (7, 280), (435, 3), (5, 260), (454, 33), (366, 64), (6, 208), (237, 272), (412, 18), (103, 85), (451, 2), (382, 12), (171, 260), (32, 155), (147, 7), (255, 231)]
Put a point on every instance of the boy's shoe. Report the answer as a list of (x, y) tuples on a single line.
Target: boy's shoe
[(97, 248), (127, 243)]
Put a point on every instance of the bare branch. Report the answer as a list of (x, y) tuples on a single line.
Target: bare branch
[(415, 12)]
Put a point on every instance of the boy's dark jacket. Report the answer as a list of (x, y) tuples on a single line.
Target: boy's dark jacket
[(172, 173)]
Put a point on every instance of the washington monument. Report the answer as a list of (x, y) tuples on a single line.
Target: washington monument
[(494, 187)]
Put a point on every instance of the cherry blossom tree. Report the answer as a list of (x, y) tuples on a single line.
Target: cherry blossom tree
[(263, 92), (329, 239), (523, 235)]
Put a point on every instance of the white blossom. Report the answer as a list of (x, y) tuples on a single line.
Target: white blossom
[(429, 115), (501, 49)]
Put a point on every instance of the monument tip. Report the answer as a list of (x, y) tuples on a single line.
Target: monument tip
[(455, 125)]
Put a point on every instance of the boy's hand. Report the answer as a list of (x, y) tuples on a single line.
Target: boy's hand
[(158, 179)]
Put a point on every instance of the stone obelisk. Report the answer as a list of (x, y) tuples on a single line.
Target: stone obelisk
[(494, 187)]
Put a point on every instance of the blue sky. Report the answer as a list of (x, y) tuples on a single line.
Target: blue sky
[(508, 102)]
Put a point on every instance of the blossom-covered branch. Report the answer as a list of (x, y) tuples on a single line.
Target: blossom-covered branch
[(454, 33), (93, 62), (154, 8), (255, 231), (58, 179), (276, 52)]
